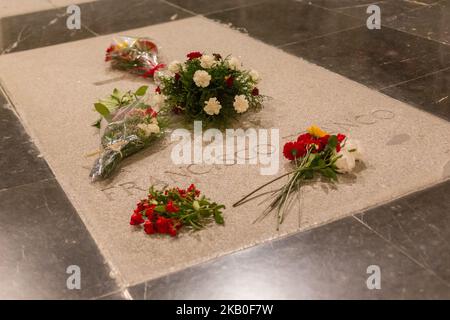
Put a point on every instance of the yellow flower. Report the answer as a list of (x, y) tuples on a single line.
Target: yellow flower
[(316, 131), (122, 45)]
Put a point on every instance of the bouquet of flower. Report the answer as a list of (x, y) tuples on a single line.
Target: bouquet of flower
[(210, 88), (131, 126), (138, 55), (313, 153), (169, 211)]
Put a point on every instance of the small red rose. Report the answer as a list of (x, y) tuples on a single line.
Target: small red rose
[(171, 207), (149, 228), (194, 55), (136, 219)]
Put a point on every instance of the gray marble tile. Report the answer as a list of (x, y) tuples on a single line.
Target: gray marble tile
[(40, 237), (419, 225), (430, 93), (210, 6), (19, 159), (37, 29), (376, 58), (110, 16), (329, 262), (282, 22), (431, 22)]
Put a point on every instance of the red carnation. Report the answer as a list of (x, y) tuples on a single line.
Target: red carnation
[(193, 188), (149, 228), (255, 92), (110, 49), (194, 55), (171, 207), (136, 219), (293, 150), (229, 81), (151, 112), (162, 225), (341, 137), (158, 90)]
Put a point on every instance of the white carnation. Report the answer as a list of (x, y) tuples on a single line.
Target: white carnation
[(202, 78), (234, 63), (254, 75), (240, 103), (175, 66), (149, 128), (346, 161), (212, 106), (207, 61), (355, 148)]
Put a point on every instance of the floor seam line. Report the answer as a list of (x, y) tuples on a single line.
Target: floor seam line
[(402, 251)]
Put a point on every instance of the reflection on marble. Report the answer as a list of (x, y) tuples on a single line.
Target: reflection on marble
[(44, 28), (430, 93), (431, 22), (376, 58), (38, 29), (210, 6), (419, 225), (109, 16), (282, 22), (40, 236), (19, 159), (329, 262)]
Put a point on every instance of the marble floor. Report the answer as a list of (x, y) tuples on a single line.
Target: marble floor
[(408, 238)]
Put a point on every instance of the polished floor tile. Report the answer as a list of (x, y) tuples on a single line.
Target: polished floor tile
[(389, 9), (420, 225), (45, 28), (20, 162), (41, 235), (210, 6), (285, 21), (110, 16), (430, 93), (329, 262), (376, 58), (37, 29), (431, 22)]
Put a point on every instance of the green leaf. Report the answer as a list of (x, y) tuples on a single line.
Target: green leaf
[(160, 209), (332, 142), (97, 123), (141, 91), (218, 217), (102, 109), (329, 173), (309, 174)]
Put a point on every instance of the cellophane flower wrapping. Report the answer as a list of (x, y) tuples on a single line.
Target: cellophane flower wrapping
[(137, 55), (130, 129)]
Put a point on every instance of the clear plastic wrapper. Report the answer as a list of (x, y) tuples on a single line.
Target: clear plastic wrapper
[(130, 128), (137, 55)]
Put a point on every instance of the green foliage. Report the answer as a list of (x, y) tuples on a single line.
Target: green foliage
[(195, 211), (181, 91)]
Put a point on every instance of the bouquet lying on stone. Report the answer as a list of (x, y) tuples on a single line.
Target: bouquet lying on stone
[(132, 125), (137, 55), (210, 88), (166, 212), (313, 153)]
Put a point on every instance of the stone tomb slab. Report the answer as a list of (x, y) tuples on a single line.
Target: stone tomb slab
[(53, 89)]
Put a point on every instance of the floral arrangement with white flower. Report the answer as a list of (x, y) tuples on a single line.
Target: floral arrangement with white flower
[(210, 88), (131, 125), (314, 152)]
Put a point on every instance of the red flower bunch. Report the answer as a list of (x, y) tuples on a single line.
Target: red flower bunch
[(137, 55), (167, 212), (309, 142)]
